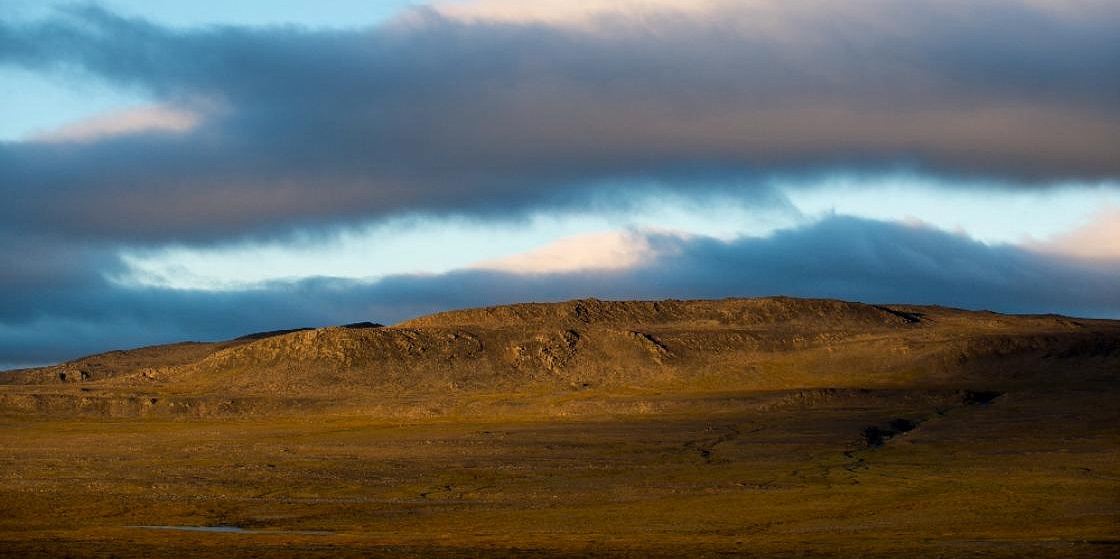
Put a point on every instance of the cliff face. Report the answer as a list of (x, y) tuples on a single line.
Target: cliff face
[(582, 349)]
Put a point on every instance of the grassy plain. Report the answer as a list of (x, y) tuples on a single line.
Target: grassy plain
[(1004, 479), (769, 428)]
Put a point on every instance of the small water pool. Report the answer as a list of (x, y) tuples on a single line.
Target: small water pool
[(231, 530)]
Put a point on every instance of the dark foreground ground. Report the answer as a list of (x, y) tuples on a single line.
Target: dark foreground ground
[(820, 473)]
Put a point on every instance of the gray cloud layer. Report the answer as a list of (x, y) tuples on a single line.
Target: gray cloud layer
[(429, 113), (840, 257)]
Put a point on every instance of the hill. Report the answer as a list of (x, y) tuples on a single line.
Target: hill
[(561, 354), (769, 427)]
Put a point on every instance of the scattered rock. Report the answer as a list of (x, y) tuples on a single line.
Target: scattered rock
[(655, 347)]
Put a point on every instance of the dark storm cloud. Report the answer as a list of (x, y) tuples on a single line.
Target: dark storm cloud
[(430, 113), (839, 257)]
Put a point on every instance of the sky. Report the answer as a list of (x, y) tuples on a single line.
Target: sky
[(175, 170)]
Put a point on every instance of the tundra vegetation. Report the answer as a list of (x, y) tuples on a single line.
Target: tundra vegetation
[(771, 427)]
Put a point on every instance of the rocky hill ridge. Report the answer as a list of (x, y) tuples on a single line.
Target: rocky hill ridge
[(598, 347)]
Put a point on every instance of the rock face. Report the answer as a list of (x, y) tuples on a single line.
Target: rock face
[(578, 349)]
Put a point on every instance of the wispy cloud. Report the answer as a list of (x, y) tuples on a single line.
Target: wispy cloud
[(1097, 239), (153, 118), (582, 13), (607, 250)]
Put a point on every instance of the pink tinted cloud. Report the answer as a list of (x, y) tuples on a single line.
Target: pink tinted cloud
[(148, 118), (1099, 238), (603, 251)]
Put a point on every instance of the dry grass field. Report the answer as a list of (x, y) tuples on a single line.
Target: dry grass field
[(769, 428)]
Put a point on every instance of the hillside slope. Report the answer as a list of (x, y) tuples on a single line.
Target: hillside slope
[(554, 353), (747, 427)]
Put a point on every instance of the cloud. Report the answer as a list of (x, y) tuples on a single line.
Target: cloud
[(467, 110), (581, 13), (137, 120), (500, 109), (839, 257), (1098, 239), (607, 250)]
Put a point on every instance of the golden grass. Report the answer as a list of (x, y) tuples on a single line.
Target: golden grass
[(991, 479)]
